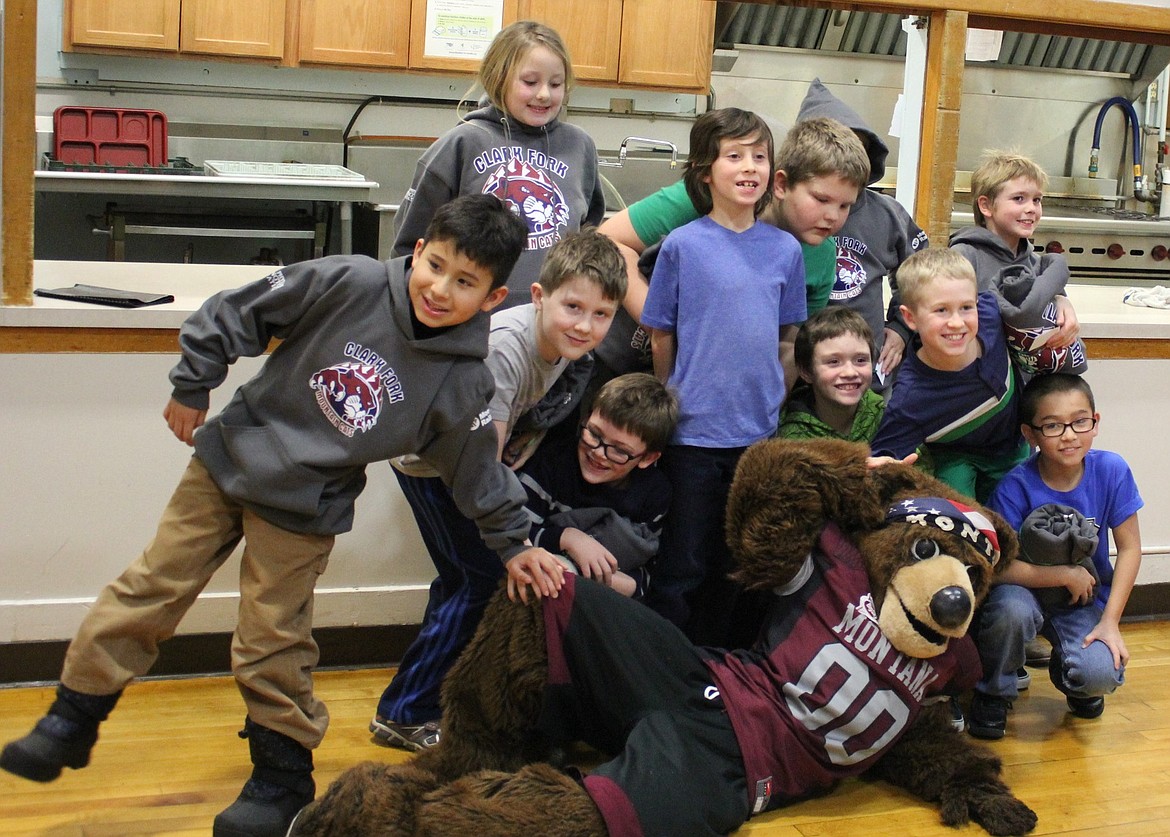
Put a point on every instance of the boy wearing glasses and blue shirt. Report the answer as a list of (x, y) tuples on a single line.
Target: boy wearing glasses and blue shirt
[(1059, 419), (595, 500)]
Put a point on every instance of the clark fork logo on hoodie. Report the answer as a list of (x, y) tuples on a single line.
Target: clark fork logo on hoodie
[(531, 194)]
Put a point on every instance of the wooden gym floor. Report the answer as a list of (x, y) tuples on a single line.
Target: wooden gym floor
[(168, 760)]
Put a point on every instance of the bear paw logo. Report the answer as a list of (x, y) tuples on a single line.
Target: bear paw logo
[(350, 395), (529, 193)]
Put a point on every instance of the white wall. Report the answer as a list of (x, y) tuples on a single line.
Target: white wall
[(1134, 405), (88, 465)]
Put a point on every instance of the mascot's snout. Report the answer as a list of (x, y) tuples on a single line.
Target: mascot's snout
[(927, 604), (951, 607), (932, 600)]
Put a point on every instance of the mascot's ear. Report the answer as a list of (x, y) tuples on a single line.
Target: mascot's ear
[(783, 493), (897, 480), (1009, 541)]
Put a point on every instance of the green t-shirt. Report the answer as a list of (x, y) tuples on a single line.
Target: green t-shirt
[(656, 215)]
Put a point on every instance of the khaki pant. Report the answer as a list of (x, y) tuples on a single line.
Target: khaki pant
[(273, 651)]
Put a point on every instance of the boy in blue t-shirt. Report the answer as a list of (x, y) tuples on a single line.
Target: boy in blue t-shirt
[(724, 305), (1059, 418)]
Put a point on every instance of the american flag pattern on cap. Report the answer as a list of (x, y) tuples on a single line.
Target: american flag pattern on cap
[(969, 524)]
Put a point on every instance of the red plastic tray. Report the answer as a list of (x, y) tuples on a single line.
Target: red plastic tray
[(110, 136)]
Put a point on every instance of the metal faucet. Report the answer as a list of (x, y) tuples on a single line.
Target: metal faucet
[(653, 144)]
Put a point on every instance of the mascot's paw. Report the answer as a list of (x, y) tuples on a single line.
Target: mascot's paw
[(538, 799), (988, 803), (369, 799)]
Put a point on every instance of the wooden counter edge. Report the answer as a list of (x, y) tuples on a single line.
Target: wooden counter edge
[(1127, 348), (44, 340), (47, 340)]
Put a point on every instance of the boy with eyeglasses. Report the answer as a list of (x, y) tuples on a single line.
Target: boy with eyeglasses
[(1059, 419), (596, 499)]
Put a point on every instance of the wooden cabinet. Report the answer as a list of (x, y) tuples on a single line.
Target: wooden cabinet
[(138, 24), (227, 27), (642, 43), (359, 33), (205, 27), (667, 43), (662, 44), (592, 32)]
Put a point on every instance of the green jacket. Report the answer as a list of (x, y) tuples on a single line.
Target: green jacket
[(797, 420)]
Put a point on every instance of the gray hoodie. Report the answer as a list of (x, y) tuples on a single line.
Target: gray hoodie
[(988, 253), (349, 384), (548, 176), (878, 235)]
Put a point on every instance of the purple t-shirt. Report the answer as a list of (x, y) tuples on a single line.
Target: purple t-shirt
[(725, 296)]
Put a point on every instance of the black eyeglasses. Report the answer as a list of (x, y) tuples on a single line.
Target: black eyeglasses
[(616, 455), (1052, 429)]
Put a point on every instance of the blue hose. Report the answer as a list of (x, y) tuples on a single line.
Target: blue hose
[(1135, 129)]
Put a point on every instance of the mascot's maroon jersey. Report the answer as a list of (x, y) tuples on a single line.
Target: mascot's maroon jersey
[(823, 694)]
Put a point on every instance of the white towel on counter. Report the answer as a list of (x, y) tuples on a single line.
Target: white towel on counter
[(1155, 297)]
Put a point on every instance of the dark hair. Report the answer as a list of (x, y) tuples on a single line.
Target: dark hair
[(826, 324), (707, 132), (482, 228), (1044, 385), (586, 253), (641, 404)]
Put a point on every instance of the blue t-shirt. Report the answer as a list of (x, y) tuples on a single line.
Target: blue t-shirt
[(725, 296), (1106, 495)]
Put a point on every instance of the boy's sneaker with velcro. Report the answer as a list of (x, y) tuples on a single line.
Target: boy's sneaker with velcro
[(416, 737)]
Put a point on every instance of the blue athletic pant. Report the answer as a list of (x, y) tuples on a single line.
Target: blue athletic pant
[(469, 574)]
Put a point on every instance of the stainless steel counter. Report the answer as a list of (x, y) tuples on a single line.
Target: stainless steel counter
[(342, 192)]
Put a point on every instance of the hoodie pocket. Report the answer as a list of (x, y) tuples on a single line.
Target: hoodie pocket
[(266, 475)]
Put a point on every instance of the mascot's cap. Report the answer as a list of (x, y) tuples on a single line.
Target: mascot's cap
[(969, 524)]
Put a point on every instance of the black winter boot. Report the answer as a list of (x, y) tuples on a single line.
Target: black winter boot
[(63, 738), (281, 784)]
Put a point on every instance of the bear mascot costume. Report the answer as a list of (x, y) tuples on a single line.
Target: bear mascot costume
[(874, 573)]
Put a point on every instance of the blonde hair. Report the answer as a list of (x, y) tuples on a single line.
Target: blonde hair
[(923, 267), (997, 168), (502, 60), (823, 146)]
